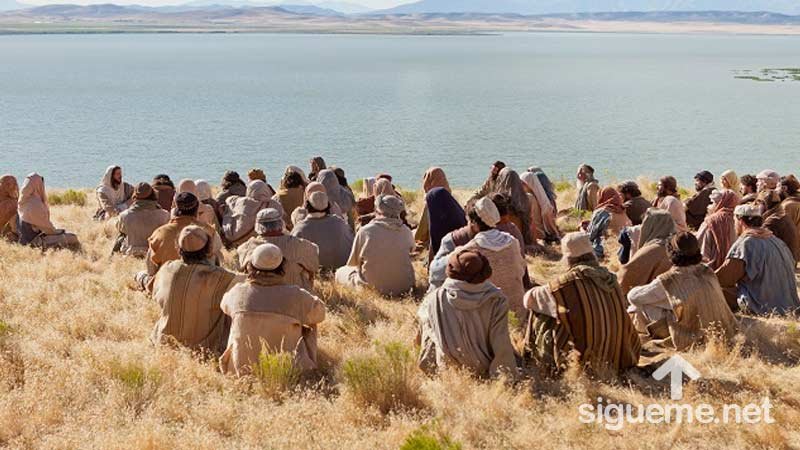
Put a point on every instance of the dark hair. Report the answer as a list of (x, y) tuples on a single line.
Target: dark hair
[(501, 202), (475, 218), (790, 184), (588, 258), (753, 221), (340, 176), (198, 256), (192, 212), (253, 272), (163, 180), (293, 180), (587, 169), (679, 257), (749, 181), (500, 165), (631, 189), (311, 209)]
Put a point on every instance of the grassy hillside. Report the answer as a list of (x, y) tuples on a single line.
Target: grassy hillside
[(77, 371)]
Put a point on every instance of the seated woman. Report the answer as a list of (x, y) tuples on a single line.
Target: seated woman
[(651, 258), (433, 178), (382, 186), (718, 231), (683, 303), (113, 194), (34, 225), (381, 254), (9, 196), (609, 217), (291, 193)]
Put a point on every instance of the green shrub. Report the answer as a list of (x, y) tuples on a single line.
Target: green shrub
[(424, 439), (409, 197), (135, 376), (68, 197), (513, 320), (5, 329), (276, 372), (562, 185), (357, 186), (384, 380)]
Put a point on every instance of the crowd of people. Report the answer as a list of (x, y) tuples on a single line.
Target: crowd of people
[(687, 266)]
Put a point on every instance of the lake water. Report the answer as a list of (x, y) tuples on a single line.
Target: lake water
[(196, 105)]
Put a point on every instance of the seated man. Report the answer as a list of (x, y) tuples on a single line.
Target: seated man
[(776, 221), (9, 196), (749, 189), (683, 303), (582, 310), (165, 191), (697, 205), (239, 212), (758, 276), (302, 256), (588, 188), (501, 249), (465, 322), (163, 243), (189, 291), (270, 316), (331, 233), (137, 223), (635, 205), (669, 200), (113, 194), (381, 254)]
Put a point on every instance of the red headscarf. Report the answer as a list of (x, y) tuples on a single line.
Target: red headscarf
[(720, 225), (611, 201)]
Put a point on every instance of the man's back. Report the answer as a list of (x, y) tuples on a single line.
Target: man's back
[(189, 296)]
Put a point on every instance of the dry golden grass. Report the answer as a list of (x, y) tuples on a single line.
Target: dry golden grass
[(77, 371)]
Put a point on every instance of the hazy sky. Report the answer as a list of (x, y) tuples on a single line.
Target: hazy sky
[(369, 3)]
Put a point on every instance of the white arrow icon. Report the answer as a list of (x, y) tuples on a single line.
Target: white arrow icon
[(676, 367)]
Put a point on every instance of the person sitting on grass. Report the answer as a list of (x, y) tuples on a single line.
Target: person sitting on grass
[(635, 205), (464, 323), (697, 205), (268, 315), (608, 218), (500, 248), (113, 194), (651, 259), (582, 310), (165, 191), (33, 218), (301, 256), (330, 233), (684, 303), (9, 196), (137, 223), (188, 291), (669, 200), (588, 188), (749, 189), (758, 275), (381, 253), (163, 243), (239, 213), (776, 220)]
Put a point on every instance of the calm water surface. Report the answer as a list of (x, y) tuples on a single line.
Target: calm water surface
[(195, 105)]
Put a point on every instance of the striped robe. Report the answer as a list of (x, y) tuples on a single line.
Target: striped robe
[(592, 320)]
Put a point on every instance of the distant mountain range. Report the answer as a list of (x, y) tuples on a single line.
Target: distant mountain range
[(323, 8), (538, 7)]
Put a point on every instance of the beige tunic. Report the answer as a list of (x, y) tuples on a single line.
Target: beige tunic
[(270, 316), (381, 258), (508, 267), (137, 223), (302, 257), (189, 296)]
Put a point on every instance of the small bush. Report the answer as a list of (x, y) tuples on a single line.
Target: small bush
[(384, 380), (562, 185), (276, 372), (357, 186), (134, 376), (5, 329), (409, 197), (68, 197), (513, 320), (424, 439)]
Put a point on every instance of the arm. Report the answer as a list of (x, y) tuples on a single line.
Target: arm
[(651, 294), (731, 272), (540, 300), (438, 267), (355, 252), (597, 230), (106, 204)]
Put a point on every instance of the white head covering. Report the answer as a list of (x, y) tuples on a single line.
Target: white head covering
[(117, 195), (203, 190), (266, 257), (32, 206), (259, 190), (770, 178), (576, 244), (487, 211), (747, 210), (389, 206), (319, 201), (532, 181)]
